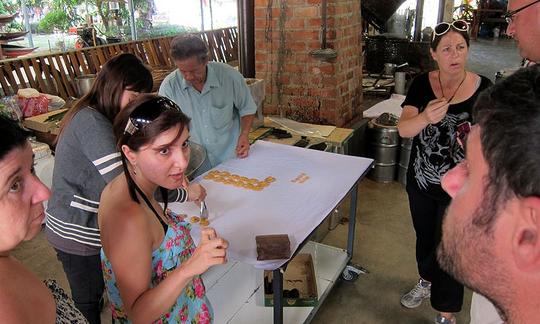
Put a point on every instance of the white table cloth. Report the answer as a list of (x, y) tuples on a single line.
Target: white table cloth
[(284, 207)]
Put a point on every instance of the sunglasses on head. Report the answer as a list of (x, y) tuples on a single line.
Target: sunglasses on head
[(147, 113), (509, 15), (443, 27)]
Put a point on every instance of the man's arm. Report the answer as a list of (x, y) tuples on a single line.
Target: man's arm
[(242, 147), (244, 103)]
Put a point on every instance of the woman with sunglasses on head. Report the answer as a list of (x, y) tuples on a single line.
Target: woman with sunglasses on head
[(150, 263), (436, 103), (86, 160), (24, 298)]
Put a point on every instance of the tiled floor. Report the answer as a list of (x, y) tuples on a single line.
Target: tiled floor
[(488, 56)]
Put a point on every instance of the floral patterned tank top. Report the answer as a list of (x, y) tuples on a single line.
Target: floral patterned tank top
[(192, 306)]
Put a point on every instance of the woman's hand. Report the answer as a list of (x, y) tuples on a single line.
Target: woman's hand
[(196, 192), (435, 110), (212, 250)]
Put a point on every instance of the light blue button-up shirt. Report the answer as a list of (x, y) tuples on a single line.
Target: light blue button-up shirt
[(215, 112)]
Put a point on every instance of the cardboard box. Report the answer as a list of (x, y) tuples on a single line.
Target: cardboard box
[(300, 275), (38, 123)]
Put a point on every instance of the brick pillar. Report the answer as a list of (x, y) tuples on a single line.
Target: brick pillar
[(298, 85)]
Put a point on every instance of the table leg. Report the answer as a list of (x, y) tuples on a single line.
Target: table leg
[(277, 284), (352, 219), (339, 148)]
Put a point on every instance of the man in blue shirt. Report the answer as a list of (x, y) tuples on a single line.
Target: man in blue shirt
[(216, 98)]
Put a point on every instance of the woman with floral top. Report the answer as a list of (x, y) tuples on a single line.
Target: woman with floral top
[(150, 264)]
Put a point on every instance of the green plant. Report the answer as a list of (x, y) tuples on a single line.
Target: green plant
[(14, 26), (54, 19), (166, 30), (8, 6)]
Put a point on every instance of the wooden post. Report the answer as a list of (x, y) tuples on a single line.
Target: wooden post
[(418, 20)]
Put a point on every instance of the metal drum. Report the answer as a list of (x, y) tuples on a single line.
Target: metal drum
[(197, 157), (84, 83), (383, 144), (404, 157)]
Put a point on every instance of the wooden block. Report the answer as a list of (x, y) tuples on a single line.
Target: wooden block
[(38, 123), (273, 247)]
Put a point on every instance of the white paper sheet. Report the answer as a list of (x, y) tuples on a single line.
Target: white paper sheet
[(392, 105), (311, 130), (284, 207)]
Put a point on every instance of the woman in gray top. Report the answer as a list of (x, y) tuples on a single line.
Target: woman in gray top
[(86, 160)]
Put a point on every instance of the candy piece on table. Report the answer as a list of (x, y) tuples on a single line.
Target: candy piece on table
[(204, 222)]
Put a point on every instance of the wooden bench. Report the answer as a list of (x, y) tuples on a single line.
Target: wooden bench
[(54, 73)]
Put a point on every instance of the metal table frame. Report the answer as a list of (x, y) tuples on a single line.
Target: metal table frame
[(278, 273)]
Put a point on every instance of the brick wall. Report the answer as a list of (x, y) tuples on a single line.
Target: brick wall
[(298, 85)]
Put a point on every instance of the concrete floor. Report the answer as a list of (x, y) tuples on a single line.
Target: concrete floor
[(385, 246), (384, 239), (487, 56)]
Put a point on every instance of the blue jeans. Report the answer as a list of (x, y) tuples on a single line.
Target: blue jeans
[(86, 282)]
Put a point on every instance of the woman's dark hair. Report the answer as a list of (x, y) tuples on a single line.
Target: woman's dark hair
[(124, 71), (186, 46), (167, 119), (437, 38), (13, 136)]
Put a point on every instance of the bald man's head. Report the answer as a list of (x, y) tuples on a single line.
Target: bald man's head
[(525, 28)]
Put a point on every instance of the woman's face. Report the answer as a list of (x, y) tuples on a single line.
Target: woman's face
[(451, 53), (21, 198), (165, 160), (127, 97)]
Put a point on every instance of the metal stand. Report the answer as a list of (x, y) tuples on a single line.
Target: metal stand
[(277, 284), (352, 271), (349, 272)]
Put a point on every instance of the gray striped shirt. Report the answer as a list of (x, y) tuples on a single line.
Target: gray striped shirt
[(86, 160)]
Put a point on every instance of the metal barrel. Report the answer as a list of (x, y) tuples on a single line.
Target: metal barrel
[(404, 157), (383, 145), (84, 83)]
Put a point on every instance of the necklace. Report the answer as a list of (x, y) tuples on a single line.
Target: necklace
[(459, 86)]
